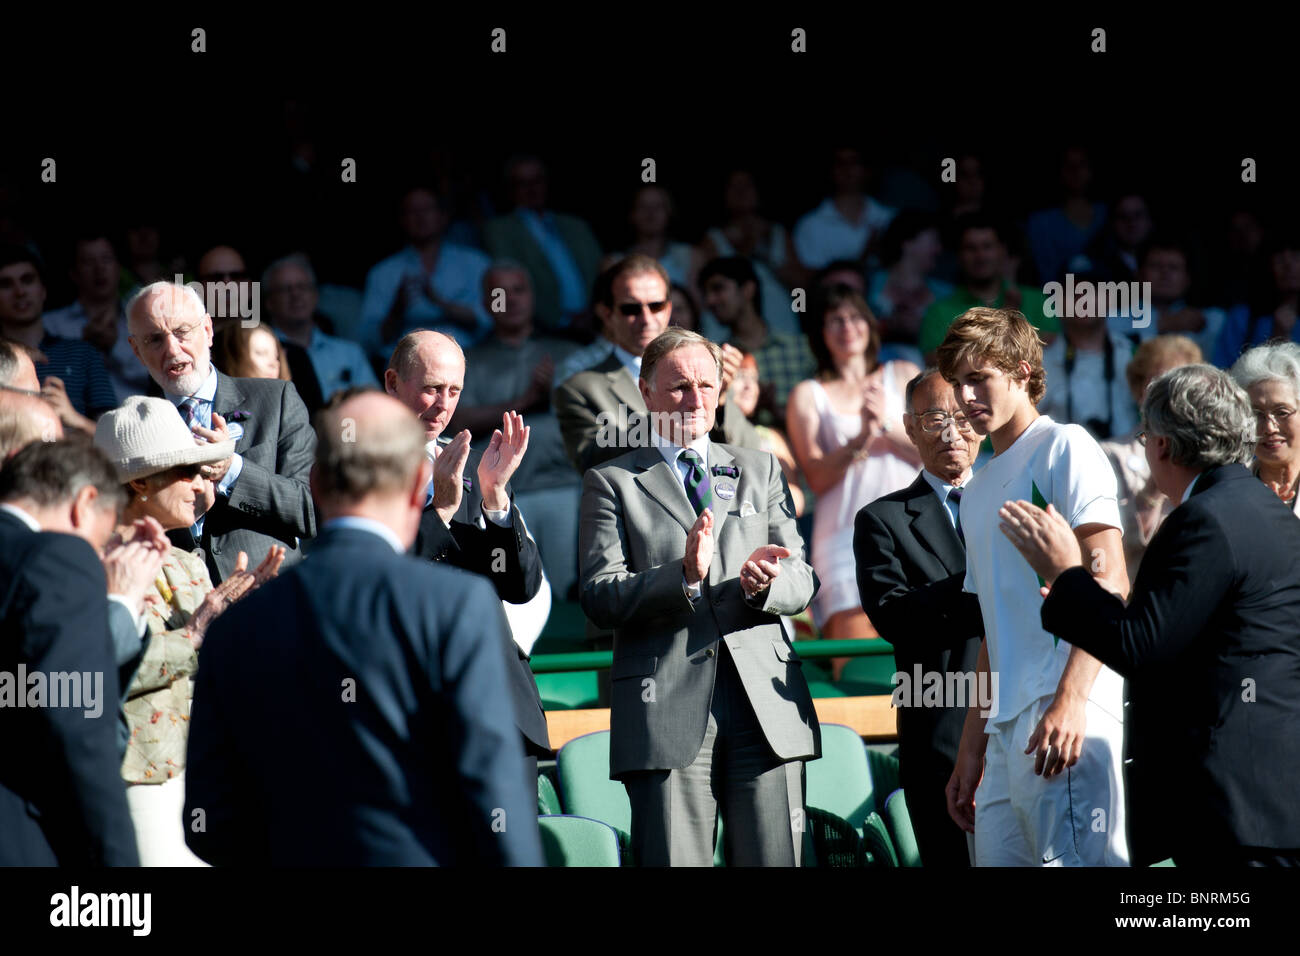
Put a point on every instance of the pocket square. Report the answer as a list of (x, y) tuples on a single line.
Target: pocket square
[(746, 509)]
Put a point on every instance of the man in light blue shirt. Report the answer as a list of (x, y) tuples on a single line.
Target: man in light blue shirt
[(291, 300), (432, 283)]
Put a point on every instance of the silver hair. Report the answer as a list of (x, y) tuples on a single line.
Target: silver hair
[(1205, 415), (153, 288), (1279, 361), (298, 259), (670, 340)]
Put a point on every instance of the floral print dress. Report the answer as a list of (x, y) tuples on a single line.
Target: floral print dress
[(158, 700)]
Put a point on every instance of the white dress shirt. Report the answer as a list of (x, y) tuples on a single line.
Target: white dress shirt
[(943, 490), (672, 453)]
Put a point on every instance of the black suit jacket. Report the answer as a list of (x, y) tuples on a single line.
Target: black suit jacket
[(383, 733), (270, 502), (910, 566), (1210, 643), (508, 558), (62, 799)]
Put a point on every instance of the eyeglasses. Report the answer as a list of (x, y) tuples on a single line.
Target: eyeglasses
[(1142, 438), (19, 391), (183, 334), (1278, 416), (934, 422), (634, 308)]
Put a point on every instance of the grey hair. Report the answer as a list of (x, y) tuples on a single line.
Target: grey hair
[(925, 375), (1205, 415), (1264, 363), (153, 288), (298, 259), (670, 340), (380, 458)]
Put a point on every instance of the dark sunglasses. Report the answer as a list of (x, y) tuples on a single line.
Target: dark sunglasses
[(634, 308)]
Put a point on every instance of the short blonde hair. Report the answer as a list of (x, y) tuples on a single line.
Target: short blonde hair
[(1003, 337)]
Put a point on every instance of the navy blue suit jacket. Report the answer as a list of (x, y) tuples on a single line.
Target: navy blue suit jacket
[(62, 799), (1210, 643), (355, 711)]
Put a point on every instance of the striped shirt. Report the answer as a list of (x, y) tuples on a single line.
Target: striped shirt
[(81, 367)]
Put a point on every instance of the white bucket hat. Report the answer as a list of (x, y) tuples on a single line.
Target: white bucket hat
[(147, 435)]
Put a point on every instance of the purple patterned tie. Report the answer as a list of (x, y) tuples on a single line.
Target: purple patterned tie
[(189, 410), (699, 490)]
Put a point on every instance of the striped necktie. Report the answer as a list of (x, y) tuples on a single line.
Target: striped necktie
[(189, 410), (698, 488), (955, 497)]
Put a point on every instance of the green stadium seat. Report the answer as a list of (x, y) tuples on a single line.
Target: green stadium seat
[(840, 781), (868, 676), (900, 829), (819, 688), (568, 690), (578, 841), (565, 631), (878, 847), (831, 841), (548, 801)]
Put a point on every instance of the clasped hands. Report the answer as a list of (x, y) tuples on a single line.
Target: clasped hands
[(759, 571), (505, 451)]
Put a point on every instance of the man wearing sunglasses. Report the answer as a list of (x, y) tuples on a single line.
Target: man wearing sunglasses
[(911, 562), (601, 410)]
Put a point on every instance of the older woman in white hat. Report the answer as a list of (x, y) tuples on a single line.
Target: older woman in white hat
[(160, 462)]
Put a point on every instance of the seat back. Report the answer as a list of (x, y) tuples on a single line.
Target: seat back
[(899, 824), (585, 787), (578, 841)]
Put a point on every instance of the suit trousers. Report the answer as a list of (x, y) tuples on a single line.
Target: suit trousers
[(760, 797)]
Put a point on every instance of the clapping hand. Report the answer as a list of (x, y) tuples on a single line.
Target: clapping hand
[(504, 453), (448, 476), (240, 582), (762, 568)]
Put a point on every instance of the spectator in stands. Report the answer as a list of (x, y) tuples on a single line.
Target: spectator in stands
[(146, 259), (744, 392), (1058, 234), (260, 495), (900, 292), (61, 798), (97, 315), (745, 231), (431, 283), (1276, 319), (590, 356), (730, 287), (425, 767), (1241, 267), (1085, 381), (560, 252), (849, 223), (227, 291), (599, 409), (1115, 254), (1270, 374), (290, 294), (650, 217), (985, 280), (250, 352), (1166, 264), (73, 378), (160, 465), (1142, 506), (846, 429), (513, 370), (842, 272), (686, 311)]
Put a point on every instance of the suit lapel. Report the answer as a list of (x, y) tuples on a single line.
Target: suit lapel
[(658, 480), (932, 528), (228, 399), (624, 389)]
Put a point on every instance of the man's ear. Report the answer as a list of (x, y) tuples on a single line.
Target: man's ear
[(603, 312), (909, 428), (84, 504), (645, 391), (390, 381)]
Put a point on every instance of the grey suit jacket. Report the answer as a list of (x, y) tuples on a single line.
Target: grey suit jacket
[(635, 519), (587, 406), (270, 502)]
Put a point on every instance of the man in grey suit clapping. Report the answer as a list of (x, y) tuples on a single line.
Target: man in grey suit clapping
[(690, 554)]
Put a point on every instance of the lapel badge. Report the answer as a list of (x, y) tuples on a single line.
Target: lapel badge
[(725, 490)]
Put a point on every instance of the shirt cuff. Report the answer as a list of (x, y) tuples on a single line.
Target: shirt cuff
[(692, 591), (137, 619), (232, 475), (499, 518)]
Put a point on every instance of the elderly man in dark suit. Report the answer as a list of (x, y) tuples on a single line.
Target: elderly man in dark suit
[(472, 523), (394, 720), (1210, 639), (258, 497), (689, 553), (911, 563), (62, 800), (601, 411)]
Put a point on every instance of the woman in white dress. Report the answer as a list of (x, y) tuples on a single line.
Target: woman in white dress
[(846, 430)]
